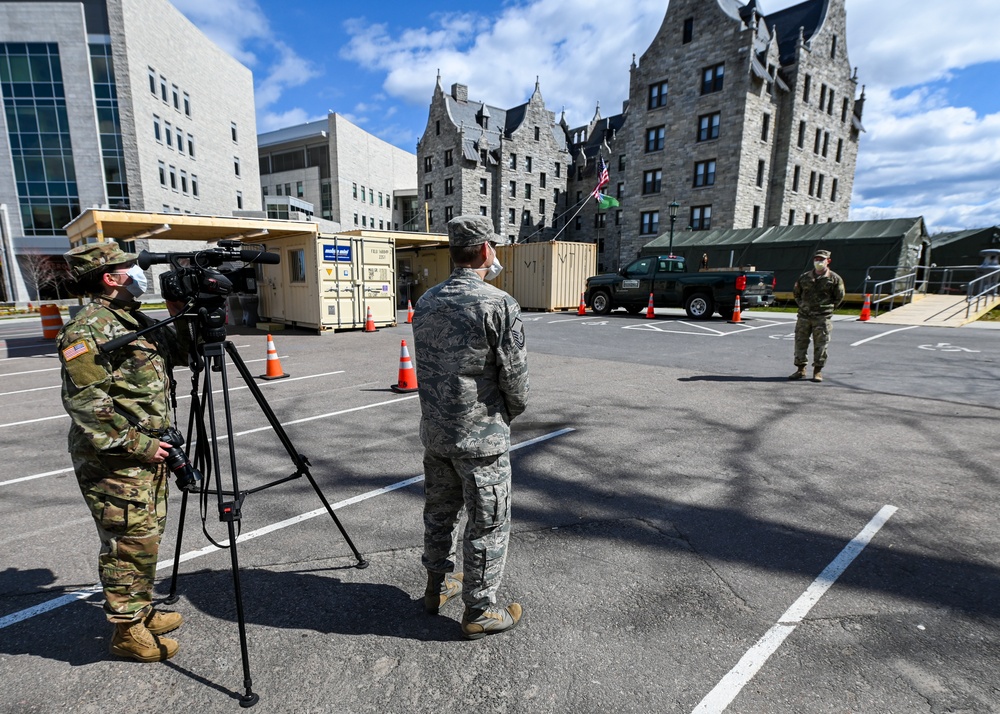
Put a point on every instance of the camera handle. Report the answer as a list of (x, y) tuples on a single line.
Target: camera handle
[(119, 342)]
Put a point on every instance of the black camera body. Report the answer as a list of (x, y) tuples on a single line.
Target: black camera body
[(205, 274), (177, 461)]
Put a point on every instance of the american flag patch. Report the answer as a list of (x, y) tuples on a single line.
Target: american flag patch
[(75, 350)]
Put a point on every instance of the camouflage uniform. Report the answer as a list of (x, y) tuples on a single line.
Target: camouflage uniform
[(126, 494), (817, 298), (472, 374)]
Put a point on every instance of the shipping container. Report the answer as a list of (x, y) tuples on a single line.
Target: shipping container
[(546, 276)]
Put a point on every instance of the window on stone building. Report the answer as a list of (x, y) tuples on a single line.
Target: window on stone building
[(176, 94), (430, 218), (829, 103), (620, 193), (236, 166), (168, 133), (806, 84), (557, 170), (173, 178), (650, 223), (688, 30), (371, 196), (760, 173), (541, 180), (808, 216), (448, 159), (354, 190), (437, 128), (232, 132), (355, 219), (194, 185), (840, 149), (657, 95), (541, 206), (527, 191), (428, 191), (190, 146), (819, 136), (511, 216), (180, 141), (538, 133), (812, 183), (654, 138), (156, 128), (152, 80), (428, 165), (711, 78), (701, 218), (791, 217), (765, 126), (482, 210), (448, 187), (600, 219), (526, 218), (483, 186), (163, 88), (239, 200), (704, 173), (843, 110), (802, 134), (513, 161), (449, 213), (621, 162), (513, 189), (822, 96), (833, 47), (819, 187), (708, 126), (163, 173), (826, 142), (380, 193), (833, 190), (278, 191), (651, 181), (578, 223), (187, 104), (796, 175), (756, 217), (618, 218)]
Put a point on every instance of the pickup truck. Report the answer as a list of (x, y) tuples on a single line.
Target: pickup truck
[(666, 277)]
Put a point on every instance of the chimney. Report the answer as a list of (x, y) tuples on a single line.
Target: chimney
[(460, 92)]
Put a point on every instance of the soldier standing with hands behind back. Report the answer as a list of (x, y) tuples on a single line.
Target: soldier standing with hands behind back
[(818, 292), (472, 373), (118, 404)]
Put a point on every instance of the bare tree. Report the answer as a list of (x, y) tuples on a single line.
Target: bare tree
[(41, 271)]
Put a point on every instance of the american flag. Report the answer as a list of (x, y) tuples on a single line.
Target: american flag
[(602, 180), (74, 350)]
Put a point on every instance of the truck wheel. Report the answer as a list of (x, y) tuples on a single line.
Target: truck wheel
[(601, 303), (699, 306)]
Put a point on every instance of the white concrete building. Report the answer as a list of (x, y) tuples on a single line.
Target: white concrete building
[(117, 104)]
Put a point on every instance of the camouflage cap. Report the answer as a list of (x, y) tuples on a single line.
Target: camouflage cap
[(822, 254), (472, 230), (85, 258)]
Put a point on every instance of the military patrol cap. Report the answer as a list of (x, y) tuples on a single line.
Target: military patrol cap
[(472, 230), (85, 258), (822, 254)]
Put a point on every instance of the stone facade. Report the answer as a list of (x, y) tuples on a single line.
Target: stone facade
[(712, 122), (508, 164)]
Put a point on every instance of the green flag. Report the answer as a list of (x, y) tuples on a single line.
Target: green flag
[(605, 202)]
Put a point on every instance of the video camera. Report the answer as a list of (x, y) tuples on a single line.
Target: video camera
[(203, 274)]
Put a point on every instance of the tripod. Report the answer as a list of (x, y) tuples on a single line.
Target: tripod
[(211, 357)]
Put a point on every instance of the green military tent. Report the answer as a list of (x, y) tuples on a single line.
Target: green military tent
[(962, 247), (897, 246)]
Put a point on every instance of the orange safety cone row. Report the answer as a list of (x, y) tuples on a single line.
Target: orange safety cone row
[(649, 309), (866, 310), (407, 374), (582, 310), (274, 370), (736, 311), (51, 321), (370, 321), (409, 312)]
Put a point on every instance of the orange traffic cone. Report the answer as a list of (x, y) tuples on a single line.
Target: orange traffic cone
[(369, 321), (582, 310), (274, 370), (51, 321), (866, 310), (407, 374), (649, 309), (409, 312), (736, 311)]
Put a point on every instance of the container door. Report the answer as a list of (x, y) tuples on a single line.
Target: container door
[(376, 266), (337, 283)]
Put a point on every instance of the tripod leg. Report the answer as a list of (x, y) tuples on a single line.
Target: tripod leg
[(172, 597), (249, 698), (297, 458)]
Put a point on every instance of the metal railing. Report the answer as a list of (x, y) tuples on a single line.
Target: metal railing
[(981, 290), (956, 280), (900, 287)]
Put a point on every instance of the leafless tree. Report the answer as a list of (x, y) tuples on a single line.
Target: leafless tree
[(42, 270)]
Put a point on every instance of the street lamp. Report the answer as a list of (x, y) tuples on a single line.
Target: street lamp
[(674, 206)]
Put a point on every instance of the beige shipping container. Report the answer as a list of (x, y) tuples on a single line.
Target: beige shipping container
[(546, 276), (328, 282)]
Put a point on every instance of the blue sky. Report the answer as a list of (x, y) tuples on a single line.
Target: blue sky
[(932, 72)]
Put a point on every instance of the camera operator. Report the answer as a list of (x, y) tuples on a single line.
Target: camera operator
[(119, 406)]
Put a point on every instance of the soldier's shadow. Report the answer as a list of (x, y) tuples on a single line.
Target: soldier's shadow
[(316, 600)]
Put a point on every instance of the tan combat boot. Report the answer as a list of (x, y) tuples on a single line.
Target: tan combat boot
[(799, 373), (133, 640), (441, 587), (818, 374), (492, 621), (160, 623)]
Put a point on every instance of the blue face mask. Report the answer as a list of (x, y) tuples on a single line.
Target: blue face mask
[(137, 286)]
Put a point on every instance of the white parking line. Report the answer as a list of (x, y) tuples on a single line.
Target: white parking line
[(22, 391), (575, 319), (33, 371), (726, 690), (72, 597), (882, 334)]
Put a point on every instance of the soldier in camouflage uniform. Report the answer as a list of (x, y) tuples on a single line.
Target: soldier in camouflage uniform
[(118, 402), (818, 293), (472, 374)]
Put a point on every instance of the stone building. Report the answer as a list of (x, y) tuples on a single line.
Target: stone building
[(117, 104), (334, 170), (743, 119), (507, 164)]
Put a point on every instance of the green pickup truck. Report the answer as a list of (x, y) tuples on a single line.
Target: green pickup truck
[(666, 277)]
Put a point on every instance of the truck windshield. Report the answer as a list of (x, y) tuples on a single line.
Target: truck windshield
[(638, 269)]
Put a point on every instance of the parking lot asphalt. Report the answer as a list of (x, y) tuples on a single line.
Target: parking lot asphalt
[(692, 532)]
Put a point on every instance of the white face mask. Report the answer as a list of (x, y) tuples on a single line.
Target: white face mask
[(820, 265), (495, 268), (139, 283)]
